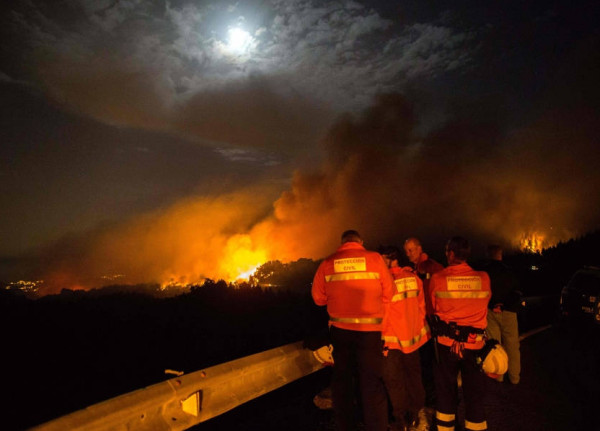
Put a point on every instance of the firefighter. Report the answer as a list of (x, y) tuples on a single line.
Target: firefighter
[(425, 267), (354, 284), (460, 297), (404, 331), (502, 324)]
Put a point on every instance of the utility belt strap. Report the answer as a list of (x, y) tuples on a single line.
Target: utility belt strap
[(357, 320), (460, 333)]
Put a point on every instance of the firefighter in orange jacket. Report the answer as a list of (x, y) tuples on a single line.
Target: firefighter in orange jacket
[(404, 331), (424, 268), (354, 284), (460, 297)]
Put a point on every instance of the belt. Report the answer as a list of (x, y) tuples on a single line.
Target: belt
[(358, 320)]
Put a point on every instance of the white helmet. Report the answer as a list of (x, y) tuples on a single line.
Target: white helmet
[(493, 359), (324, 354)]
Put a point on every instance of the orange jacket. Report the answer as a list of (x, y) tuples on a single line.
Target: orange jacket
[(460, 294), (354, 283), (404, 326)]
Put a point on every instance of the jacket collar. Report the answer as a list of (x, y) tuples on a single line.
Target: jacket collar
[(423, 257), (458, 266), (351, 246)]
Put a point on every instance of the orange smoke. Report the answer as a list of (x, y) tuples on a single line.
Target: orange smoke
[(193, 240), (378, 177)]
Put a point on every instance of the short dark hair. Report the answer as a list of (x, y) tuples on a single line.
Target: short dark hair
[(390, 251), (460, 246), (494, 250), (351, 236)]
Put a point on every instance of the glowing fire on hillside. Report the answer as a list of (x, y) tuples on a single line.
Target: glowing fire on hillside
[(241, 258), (245, 276), (533, 242)]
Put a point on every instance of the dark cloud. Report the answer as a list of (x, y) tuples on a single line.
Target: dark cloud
[(137, 64), (253, 114)]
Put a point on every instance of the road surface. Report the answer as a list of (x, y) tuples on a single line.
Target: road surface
[(559, 391)]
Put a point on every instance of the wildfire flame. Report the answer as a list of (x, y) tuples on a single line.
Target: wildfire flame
[(533, 242), (246, 275), (242, 257)]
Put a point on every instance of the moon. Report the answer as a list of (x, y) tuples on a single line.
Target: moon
[(238, 40)]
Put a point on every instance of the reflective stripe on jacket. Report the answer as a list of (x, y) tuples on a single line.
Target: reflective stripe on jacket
[(460, 294), (404, 326), (354, 284)]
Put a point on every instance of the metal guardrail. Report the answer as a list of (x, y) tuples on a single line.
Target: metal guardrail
[(182, 402), (533, 332)]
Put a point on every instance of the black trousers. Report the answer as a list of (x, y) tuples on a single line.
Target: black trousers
[(427, 354), (402, 377), (358, 361), (473, 385)]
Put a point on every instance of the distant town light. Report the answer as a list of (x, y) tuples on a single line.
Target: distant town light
[(24, 285)]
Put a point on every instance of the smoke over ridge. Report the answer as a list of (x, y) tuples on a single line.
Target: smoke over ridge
[(379, 177)]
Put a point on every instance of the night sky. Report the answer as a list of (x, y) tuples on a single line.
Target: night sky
[(185, 139)]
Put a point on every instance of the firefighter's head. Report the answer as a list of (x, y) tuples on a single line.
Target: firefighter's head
[(390, 255), (413, 249), (494, 252), (458, 250), (351, 236)]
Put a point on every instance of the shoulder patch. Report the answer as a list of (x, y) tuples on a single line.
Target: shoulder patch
[(351, 264), (464, 283), (406, 284)]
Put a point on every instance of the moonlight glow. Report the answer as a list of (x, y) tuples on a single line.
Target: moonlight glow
[(238, 40)]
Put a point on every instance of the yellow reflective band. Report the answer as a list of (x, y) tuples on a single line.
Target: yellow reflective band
[(462, 295), (353, 276), (475, 426), (446, 417), (404, 295), (358, 320), (406, 284), (407, 343), (449, 418)]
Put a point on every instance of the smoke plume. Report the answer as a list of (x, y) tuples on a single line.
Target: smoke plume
[(379, 177)]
